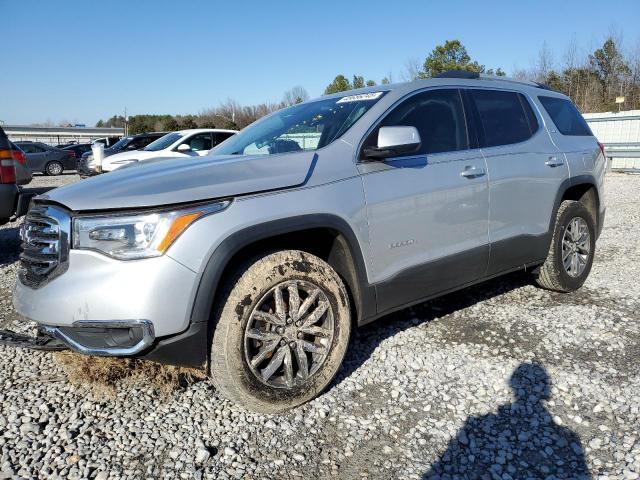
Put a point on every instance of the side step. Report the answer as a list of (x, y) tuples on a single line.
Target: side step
[(41, 342)]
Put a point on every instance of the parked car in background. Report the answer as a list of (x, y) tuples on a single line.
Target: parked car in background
[(47, 159), (66, 144), (79, 149), (184, 143), (407, 192), (13, 201), (107, 141), (87, 166), (23, 174)]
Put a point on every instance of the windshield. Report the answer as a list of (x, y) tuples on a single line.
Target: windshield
[(308, 126), (163, 142), (121, 143)]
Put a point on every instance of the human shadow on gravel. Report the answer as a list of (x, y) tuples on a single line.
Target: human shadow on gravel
[(521, 440), (366, 339)]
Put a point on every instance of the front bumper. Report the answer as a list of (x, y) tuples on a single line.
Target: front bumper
[(96, 288)]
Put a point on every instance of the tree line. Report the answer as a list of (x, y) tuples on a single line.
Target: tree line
[(593, 80)]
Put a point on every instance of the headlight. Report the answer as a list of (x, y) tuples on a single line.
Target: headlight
[(144, 235)]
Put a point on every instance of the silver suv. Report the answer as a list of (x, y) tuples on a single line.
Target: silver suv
[(256, 261)]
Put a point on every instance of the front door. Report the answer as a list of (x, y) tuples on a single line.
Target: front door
[(427, 212)]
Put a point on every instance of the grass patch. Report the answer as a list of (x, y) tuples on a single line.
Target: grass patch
[(103, 375)]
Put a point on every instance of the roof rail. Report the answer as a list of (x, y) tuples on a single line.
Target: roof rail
[(477, 76), (458, 74)]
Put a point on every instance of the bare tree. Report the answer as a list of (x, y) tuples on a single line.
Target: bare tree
[(544, 63), (412, 70), (295, 95)]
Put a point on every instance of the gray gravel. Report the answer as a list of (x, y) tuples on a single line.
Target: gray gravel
[(501, 381)]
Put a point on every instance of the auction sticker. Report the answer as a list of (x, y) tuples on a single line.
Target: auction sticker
[(363, 97)]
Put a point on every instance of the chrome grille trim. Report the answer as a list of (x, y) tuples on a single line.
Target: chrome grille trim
[(45, 237)]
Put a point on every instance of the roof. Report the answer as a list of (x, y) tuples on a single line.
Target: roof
[(486, 81)]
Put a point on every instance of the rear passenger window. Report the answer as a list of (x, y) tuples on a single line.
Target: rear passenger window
[(505, 117), (565, 116), (438, 116)]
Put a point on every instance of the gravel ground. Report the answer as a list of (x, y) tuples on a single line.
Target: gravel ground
[(501, 381)]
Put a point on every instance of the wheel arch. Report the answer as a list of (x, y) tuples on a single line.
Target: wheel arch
[(327, 236), (582, 188)]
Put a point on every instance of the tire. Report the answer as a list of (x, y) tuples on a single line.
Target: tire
[(242, 335), (53, 168), (554, 274)]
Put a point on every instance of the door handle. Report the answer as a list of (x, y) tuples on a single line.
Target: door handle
[(553, 162), (472, 172)]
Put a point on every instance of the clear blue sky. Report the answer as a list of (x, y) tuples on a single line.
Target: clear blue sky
[(84, 60)]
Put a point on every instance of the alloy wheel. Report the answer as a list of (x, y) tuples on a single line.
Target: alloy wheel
[(576, 247), (289, 334)]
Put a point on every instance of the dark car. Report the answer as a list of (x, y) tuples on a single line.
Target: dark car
[(78, 148), (47, 159), (131, 142), (14, 202)]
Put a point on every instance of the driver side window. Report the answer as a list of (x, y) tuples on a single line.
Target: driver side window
[(439, 117), (201, 141)]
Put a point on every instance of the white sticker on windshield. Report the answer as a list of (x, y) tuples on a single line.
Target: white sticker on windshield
[(361, 97)]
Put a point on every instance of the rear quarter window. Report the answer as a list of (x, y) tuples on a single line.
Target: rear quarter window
[(565, 116), (505, 117)]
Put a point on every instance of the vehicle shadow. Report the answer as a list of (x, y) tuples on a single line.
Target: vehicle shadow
[(366, 339), (9, 245), (521, 440)]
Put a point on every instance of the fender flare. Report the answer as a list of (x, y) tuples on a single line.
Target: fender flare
[(566, 185), (363, 293)]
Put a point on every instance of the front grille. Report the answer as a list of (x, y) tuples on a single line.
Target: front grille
[(45, 245)]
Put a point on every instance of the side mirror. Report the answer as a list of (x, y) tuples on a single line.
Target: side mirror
[(394, 141), (183, 147)]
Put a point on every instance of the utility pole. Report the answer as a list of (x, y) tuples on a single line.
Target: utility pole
[(126, 122)]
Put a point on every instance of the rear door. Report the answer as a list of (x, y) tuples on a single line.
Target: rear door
[(428, 211), (526, 171)]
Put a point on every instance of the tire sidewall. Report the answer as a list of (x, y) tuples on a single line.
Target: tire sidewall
[(250, 289), (574, 210)]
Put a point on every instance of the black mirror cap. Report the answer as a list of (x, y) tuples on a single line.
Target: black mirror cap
[(376, 153)]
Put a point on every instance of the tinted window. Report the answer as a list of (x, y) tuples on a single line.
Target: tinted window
[(565, 116), (502, 117), (438, 116), (220, 137)]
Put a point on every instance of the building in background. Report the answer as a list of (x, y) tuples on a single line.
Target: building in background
[(59, 135)]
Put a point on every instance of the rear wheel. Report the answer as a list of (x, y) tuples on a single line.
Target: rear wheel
[(282, 332), (572, 248), (53, 168)]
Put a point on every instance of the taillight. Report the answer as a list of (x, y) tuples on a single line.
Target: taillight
[(601, 145), (19, 157), (7, 169)]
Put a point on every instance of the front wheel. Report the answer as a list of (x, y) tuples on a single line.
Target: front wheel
[(53, 168), (572, 248), (282, 332)]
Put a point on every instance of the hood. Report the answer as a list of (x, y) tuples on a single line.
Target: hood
[(181, 180), (131, 154)]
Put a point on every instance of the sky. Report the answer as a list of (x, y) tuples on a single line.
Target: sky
[(80, 61)]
